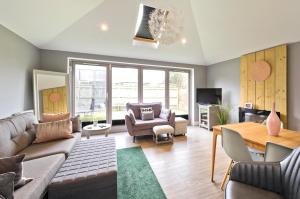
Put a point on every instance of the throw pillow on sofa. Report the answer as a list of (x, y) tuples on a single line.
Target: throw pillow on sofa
[(146, 109), (53, 131), (76, 124), (7, 185), (165, 114), (14, 164), (147, 115), (49, 117)]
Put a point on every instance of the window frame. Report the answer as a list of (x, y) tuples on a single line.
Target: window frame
[(141, 67)]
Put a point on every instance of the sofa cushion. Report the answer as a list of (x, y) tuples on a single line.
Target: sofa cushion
[(149, 124), (237, 190), (42, 170), (165, 114), (7, 185), (136, 108), (50, 148), (14, 164), (56, 130), (49, 117), (16, 133), (76, 124), (147, 115)]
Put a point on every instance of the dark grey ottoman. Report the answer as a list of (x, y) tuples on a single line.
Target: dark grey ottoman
[(89, 172)]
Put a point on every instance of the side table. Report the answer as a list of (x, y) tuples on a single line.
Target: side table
[(98, 129)]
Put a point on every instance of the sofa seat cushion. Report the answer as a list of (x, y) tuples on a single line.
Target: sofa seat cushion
[(50, 148), (42, 170), (149, 124), (237, 190)]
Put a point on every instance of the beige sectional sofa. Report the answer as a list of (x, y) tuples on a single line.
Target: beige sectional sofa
[(42, 161)]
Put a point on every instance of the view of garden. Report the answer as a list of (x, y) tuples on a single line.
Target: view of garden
[(90, 91)]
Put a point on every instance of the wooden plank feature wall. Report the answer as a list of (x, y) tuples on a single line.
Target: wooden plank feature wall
[(59, 106), (274, 89)]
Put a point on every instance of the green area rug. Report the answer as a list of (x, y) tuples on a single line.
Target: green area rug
[(136, 179)]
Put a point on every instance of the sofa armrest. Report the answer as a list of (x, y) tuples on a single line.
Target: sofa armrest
[(172, 120), (259, 174), (129, 124)]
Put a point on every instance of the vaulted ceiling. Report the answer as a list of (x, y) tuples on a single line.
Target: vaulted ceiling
[(215, 30)]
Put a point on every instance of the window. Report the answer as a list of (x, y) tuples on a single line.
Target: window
[(90, 92), (179, 92), (154, 86), (92, 101), (124, 89)]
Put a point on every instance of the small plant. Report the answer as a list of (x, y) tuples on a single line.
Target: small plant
[(223, 113)]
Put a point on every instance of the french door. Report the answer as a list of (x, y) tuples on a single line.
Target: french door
[(90, 92), (101, 90)]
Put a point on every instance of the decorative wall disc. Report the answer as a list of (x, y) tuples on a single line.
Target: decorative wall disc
[(260, 70), (54, 97)]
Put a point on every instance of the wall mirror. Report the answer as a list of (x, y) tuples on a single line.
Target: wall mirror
[(51, 92)]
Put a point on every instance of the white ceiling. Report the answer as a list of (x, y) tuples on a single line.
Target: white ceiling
[(215, 30)]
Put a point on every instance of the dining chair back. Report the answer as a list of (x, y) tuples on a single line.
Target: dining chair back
[(234, 146), (276, 153)]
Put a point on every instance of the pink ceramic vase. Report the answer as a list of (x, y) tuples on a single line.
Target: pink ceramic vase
[(273, 123)]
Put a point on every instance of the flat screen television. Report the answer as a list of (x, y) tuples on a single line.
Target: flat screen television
[(209, 95)]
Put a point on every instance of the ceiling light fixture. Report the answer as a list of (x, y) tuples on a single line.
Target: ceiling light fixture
[(166, 25), (183, 40), (104, 27)]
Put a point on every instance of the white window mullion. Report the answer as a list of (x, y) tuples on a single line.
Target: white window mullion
[(167, 94)]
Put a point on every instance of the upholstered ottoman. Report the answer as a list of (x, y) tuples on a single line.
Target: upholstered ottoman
[(90, 171), (180, 126), (163, 134)]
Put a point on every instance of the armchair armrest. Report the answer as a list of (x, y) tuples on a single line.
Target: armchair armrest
[(259, 174), (172, 120), (129, 124)]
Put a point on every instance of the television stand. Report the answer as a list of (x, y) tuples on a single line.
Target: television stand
[(208, 116)]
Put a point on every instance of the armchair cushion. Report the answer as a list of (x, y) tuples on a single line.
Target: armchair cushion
[(237, 190), (258, 174)]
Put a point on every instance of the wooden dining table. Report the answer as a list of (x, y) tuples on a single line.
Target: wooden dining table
[(255, 136)]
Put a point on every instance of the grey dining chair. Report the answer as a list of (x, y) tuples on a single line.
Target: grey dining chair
[(276, 153), (235, 147)]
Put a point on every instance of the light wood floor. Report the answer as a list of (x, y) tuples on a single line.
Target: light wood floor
[(183, 168)]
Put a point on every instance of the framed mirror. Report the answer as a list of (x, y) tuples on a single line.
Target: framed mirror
[(51, 92)]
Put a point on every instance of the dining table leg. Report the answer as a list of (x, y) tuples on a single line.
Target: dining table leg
[(213, 155)]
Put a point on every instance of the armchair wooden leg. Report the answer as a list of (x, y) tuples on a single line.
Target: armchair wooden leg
[(226, 174)]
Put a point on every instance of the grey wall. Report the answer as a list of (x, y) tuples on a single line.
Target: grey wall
[(57, 61), (294, 86), (226, 75), (17, 60)]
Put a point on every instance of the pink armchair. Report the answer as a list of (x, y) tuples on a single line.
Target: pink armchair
[(138, 127)]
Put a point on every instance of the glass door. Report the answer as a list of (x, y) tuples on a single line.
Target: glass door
[(154, 86), (124, 89), (179, 92), (90, 92)]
